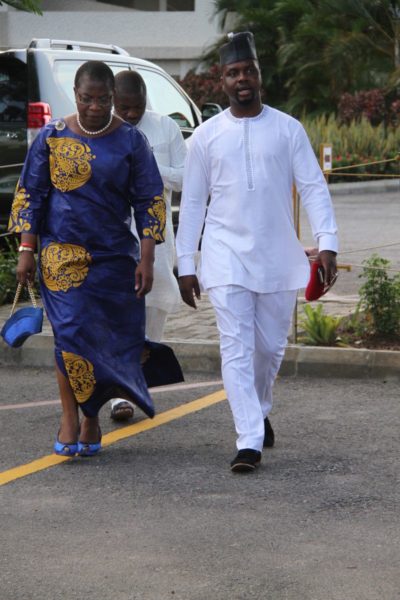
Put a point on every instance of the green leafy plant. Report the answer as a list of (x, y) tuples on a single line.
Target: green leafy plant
[(27, 5), (356, 143), (8, 263), (8, 267), (312, 52), (320, 329), (380, 297)]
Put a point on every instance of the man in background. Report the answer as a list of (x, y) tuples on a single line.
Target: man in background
[(169, 150)]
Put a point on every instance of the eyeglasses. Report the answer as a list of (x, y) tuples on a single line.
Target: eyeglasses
[(88, 100)]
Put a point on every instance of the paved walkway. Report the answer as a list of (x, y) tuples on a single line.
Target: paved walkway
[(199, 325), (193, 334)]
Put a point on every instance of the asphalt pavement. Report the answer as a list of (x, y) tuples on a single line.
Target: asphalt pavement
[(159, 515)]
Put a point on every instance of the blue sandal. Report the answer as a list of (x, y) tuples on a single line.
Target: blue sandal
[(64, 449), (89, 449)]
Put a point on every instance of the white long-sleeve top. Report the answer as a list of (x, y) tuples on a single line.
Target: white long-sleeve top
[(169, 150), (248, 167)]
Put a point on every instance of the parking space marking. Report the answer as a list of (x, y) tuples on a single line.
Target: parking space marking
[(115, 436), (173, 387)]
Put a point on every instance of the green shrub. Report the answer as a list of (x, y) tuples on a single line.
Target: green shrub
[(8, 263), (356, 143), (321, 329), (380, 297), (8, 267)]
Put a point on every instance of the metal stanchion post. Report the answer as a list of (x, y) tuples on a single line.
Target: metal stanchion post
[(325, 159), (296, 220)]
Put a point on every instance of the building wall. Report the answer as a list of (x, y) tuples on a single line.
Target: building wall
[(174, 39)]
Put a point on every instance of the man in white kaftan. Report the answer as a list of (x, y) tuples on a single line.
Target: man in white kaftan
[(169, 150), (247, 159)]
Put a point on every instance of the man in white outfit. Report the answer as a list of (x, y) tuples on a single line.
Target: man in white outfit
[(169, 150), (246, 159)]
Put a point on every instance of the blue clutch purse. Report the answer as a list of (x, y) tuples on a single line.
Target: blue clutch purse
[(22, 323)]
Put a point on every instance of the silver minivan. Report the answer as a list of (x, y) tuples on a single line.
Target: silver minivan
[(36, 85)]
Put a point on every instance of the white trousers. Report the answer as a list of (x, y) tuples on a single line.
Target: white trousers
[(155, 323), (253, 331)]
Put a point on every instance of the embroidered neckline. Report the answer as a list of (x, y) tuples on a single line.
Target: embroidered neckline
[(231, 117)]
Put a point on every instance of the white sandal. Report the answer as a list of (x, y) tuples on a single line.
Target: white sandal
[(121, 410)]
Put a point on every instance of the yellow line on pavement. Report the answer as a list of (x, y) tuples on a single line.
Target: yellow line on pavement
[(114, 436), (179, 387)]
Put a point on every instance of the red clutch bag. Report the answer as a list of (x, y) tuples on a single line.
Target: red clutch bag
[(316, 286)]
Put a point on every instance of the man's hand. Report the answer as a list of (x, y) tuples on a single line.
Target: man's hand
[(189, 288), (328, 261)]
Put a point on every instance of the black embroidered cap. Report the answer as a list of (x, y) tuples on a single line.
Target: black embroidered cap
[(241, 46)]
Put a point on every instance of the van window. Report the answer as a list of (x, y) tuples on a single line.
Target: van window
[(64, 74), (163, 97), (13, 91)]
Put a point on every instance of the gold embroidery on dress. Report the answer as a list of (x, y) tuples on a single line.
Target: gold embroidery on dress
[(64, 266), (157, 211), (17, 222), (69, 163), (80, 373)]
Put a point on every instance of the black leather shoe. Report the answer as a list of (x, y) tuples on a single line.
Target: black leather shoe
[(269, 436), (246, 460)]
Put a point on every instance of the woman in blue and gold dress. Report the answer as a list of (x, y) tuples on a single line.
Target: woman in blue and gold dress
[(81, 177)]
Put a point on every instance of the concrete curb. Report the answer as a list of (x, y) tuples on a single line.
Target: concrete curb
[(300, 360), (365, 187), (203, 357)]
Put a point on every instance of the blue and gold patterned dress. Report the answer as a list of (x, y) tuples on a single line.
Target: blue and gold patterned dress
[(76, 194)]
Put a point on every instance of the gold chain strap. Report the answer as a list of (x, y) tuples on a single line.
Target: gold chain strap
[(18, 293)]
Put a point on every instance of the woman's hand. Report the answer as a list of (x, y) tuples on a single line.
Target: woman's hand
[(26, 268), (143, 278), (144, 270)]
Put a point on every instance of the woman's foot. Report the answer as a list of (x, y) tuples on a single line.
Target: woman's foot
[(69, 430), (89, 430), (90, 437), (66, 443), (64, 449)]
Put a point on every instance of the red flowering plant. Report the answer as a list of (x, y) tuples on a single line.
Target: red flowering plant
[(205, 87), (349, 109), (365, 166), (374, 105), (394, 113)]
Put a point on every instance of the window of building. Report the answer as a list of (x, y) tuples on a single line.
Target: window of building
[(180, 5), (153, 5)]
